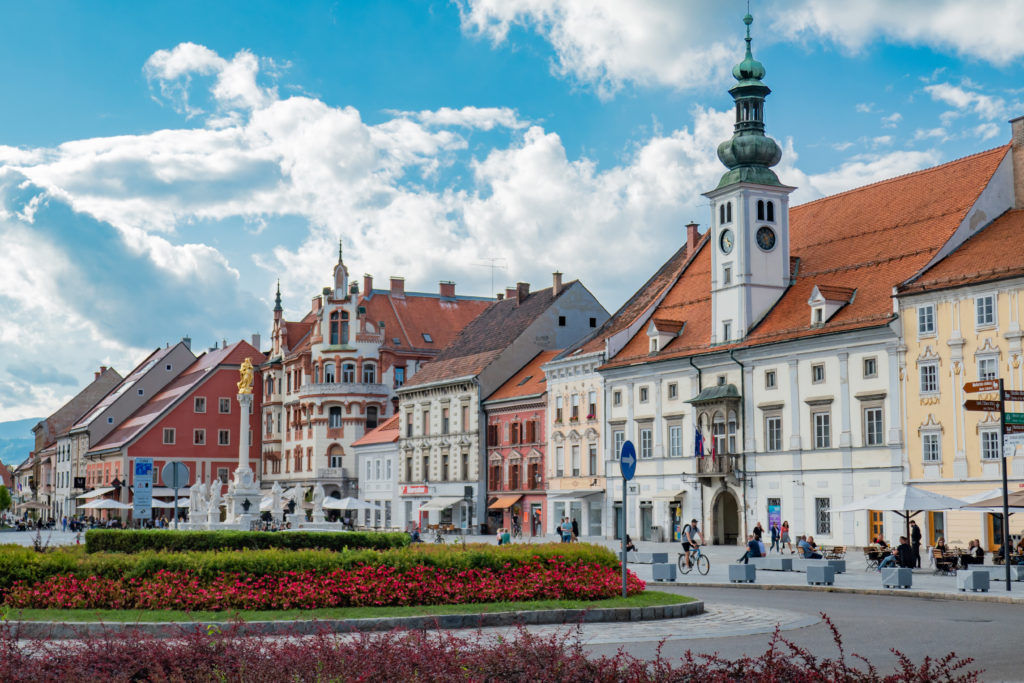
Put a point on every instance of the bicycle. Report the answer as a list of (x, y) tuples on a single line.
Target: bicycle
[(699, 560)]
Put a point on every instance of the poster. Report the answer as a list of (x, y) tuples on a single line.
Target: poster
[(774, 517), (142, 488)]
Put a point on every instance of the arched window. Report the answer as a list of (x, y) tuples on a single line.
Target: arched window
[(760, 209), (728, 212), (335, 454), (369, 373), (335, 328), (732, 432), (771, 211), (721, 214), (348, 372), (371, 417), (746, 111), (328, 373), (344, 327)]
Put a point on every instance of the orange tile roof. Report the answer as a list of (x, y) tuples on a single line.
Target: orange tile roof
[(995, 252), (386, 432), (871, 238), (529, 381), (409, 317)]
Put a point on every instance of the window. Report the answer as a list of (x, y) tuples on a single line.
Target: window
[(222, 474), (444, 421), (334, 417), (987, 368), (465, 418), (575, 460), (399, 376), (329, 373), (464, 468), (348, 372), (769, 379), (593, 322), (675, 441), (426, 423), (425, 466), (929, 378), (559, 461), (591, 405), (199, 404), (558, 408), (870, 368), (643, 394), (592, 458), (445, 465), (369, 373), (930, 447), (732, 432), (408, 423), (771, 210), (818, 373), (223, 437), (990, 445), (618, 438), (646, 443), (985, 310), (169, 436), (199, 437), (427, 338), (822, 430), (873, 426), (718, 433), (561, 321), (925, 320), (726, 275), (760, 209), (224, 406), (822, 516), (371, 417), (726, 331), (617, 398), (575, 400), (773, 433), (673, 390)]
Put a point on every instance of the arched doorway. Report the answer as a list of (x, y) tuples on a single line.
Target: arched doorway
[(725, 514)]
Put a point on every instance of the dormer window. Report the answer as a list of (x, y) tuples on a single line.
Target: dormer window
[(826, 300), (660, 332)]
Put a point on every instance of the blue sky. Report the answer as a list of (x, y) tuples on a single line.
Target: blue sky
[(162, 165)]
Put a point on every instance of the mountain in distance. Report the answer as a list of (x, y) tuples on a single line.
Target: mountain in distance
[(17, 440)]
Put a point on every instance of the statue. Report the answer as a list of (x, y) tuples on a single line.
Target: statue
[(275, 499), (204, 493), (245, 376), (318, 498), (213, 510), (195, 499)]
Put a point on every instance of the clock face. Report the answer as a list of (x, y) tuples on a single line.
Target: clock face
[(726, 241), (766, 238)]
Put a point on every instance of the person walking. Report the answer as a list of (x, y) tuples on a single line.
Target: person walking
[(575, 531), (566, 529), (758, 531), (915, 542), (775, 538), (785, 539)]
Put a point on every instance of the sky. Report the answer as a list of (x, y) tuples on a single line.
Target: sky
[(163, 165)]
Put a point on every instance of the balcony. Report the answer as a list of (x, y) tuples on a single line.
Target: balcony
[(342, 388), (331, 473), (719, 466)]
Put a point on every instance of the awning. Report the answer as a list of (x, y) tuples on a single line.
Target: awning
[(442, 503), (94, 493), (576, 493), (668, 495), (164, 492), (503, 502)]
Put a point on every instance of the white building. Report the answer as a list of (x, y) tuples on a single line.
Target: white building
[(377, 463)]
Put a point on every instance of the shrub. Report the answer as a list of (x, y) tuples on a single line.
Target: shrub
[(424, 656), (140, 540)]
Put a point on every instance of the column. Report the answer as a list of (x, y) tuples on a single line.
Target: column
[(845, 430)]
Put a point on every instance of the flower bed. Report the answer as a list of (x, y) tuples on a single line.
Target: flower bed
[(141, 540), (358, 587)]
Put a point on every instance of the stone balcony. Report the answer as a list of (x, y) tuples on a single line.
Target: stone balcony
[(719, 466), (342, 388), (331, 473)]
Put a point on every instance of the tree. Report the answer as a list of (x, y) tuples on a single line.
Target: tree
[(5, 498)]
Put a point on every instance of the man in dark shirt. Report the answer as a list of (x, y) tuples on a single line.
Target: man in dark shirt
[(915, 542), (905, 553), (753, 550)]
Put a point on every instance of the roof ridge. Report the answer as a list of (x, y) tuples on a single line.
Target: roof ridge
[(922, 171)]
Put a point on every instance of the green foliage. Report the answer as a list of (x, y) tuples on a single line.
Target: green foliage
[(136, 541), (5, 498), (18, 563)]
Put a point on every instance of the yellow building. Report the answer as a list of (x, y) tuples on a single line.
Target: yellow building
[(961, 323)]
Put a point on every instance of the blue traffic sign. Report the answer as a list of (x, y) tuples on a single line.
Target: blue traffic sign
[(627, 460)]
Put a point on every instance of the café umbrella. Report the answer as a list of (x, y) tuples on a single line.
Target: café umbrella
[(906, 501), (105, 504), (995, 503), (348, 503)]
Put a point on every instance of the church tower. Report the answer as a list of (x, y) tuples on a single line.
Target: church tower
[(340, 277), (749, 214)]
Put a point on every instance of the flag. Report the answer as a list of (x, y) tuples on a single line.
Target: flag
[(698, 444), (713, 440)]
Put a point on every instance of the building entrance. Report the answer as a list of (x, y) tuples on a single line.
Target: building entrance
[(726, 516)]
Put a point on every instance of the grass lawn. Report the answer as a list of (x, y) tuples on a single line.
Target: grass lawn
[(644, 599)]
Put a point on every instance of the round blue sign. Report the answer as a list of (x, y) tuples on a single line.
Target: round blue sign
[(627, 460)]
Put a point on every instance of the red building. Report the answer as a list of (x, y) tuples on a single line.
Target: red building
[(194, 419), (515, 450)]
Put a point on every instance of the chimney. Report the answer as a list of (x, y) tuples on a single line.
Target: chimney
[(692, 237), (224, 344), (1017, 138), (556, 283), (510, 292), (522, 291), (448, 289), (96, 375), (397, 286), (367, 284), (317, 303), (256, 341), (500, 296), (187, 341)]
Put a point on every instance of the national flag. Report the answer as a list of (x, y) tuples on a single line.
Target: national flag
[(713, 440), (698, 444)]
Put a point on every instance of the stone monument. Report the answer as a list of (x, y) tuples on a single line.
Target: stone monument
[(244, 499)]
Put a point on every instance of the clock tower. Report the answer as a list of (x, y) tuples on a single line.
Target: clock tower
[(749, 214)]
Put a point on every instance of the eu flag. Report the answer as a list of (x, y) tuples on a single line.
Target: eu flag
[(698, 444)]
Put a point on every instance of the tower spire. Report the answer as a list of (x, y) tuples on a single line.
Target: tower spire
[(339, 250), (277, 298)]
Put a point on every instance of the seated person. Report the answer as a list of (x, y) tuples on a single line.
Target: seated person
[(940, 545), (414, 536), (630, 546), (975, 554), (807, 550), (899, 556), (753, 549)]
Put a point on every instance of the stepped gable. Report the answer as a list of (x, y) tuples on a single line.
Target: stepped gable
[(482, 340), (870, 239), (993, 253), (386, 432), (528, 381), (179, 388), (409, 317)]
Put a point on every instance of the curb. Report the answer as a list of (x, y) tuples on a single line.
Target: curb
[(910, 593), (64, 631)]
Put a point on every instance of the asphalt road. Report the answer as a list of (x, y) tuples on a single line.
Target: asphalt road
[(991, 633)]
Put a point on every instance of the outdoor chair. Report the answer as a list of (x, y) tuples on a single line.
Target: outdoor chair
[(836, 552), (943, 565), (872, 556)]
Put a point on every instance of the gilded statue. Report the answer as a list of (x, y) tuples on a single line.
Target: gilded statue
[(245, 377)]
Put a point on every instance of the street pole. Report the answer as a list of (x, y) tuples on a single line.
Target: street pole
[(625, 512), (1006, 492)]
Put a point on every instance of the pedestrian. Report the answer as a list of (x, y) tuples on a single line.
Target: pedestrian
[(758, 531), (775, 537), (915, 542), (566, 529), (785, 539), (575, 531), (64, 524)]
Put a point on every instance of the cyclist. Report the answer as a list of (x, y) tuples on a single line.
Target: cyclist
[(691, 539)]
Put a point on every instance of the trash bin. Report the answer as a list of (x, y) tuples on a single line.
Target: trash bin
[(656, 536)]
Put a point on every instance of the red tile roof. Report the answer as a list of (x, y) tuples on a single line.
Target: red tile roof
[(993, 253), (6, 477), (529, 381), (871, 238), (387, 432), (179, 388), (409, 317)]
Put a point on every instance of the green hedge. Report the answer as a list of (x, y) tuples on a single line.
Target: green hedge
[(18, 563), (137, 541)]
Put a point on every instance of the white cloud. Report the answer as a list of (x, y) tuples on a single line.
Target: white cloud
[(482, 118), (985, 106), (986, 131), (925, 134), (882, 141), (865, 108), (892, 120), (858, 171)]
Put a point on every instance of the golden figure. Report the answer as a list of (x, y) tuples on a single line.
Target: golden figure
[(245, 377)]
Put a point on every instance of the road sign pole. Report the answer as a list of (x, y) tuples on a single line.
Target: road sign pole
[(175, 512), (627, 464), (1006, 492), (625, 511)]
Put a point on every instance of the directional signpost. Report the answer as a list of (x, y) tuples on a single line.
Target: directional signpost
[(1012, 428), (142, 500), (627, 463), (175, 475)]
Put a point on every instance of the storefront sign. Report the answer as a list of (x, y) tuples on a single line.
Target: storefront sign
[(415, 490)]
